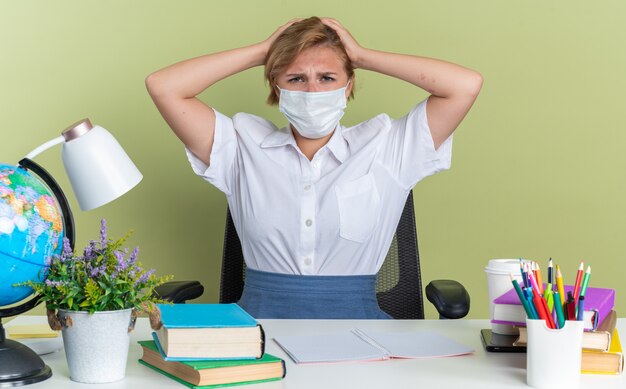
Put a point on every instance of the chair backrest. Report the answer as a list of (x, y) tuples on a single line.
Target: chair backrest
[(398, 282)]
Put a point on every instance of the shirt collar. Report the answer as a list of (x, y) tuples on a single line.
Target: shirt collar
[(337, 144), (279, 138)]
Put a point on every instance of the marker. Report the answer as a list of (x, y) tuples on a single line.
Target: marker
[(529, 299), (579, 277), (542, 309), (549, 297), (581, 308), (559, 284), (570, 306), (560, 317)]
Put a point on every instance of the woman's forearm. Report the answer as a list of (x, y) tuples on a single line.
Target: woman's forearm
[(189, 78), (439, 78)]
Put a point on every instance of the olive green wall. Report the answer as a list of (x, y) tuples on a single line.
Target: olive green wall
[(538, 166)]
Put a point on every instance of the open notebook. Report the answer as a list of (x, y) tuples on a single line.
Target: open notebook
[(359, 345)]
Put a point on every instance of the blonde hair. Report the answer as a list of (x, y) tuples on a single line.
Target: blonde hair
[(298, 37)]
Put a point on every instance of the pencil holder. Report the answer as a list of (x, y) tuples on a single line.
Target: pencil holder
[(553, 356)]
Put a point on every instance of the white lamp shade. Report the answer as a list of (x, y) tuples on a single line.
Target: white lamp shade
[(98, 168)]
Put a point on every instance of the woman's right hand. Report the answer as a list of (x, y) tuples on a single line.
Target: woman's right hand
[(266, 44)]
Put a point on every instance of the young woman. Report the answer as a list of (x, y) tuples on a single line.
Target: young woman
[(315, 203)]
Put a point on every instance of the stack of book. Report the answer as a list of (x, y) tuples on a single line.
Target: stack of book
[(210, 345)]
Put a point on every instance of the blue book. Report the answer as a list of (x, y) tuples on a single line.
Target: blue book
[(208, 331)]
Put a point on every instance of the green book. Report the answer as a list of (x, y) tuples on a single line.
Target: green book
[(214, 373)]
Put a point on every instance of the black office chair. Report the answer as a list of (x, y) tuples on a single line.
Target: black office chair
[(398, 283)]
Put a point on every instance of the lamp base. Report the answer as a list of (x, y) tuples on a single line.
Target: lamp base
[(19, 365)]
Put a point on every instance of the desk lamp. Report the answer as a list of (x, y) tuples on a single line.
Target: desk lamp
[(99, 171)]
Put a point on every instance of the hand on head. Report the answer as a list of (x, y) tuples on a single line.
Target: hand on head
[(352, 46), (268, 42)]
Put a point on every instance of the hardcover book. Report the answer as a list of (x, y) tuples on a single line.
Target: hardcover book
[(212, 373), (598, 304), (609, 362), (208, 331)]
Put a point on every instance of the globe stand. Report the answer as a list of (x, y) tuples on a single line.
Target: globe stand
[(19, 365)]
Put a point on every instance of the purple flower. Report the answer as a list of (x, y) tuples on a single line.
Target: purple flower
[(90, 250), (67, 250), (133, 256), (97, 271), (122, 263), (144, 277), (103, 233), (54, 284)]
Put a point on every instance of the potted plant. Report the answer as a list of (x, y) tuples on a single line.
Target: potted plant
[(94, 298)]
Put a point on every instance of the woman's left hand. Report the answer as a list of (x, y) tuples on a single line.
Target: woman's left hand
[(353, 48)]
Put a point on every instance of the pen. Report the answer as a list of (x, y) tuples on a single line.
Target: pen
[(559, 284), (581, 308), (522, 299), (579, 277)]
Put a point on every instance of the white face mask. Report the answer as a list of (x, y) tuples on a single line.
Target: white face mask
[(313, 114)]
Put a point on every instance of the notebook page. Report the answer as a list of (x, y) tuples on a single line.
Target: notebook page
[(416, 344), (336, 347)]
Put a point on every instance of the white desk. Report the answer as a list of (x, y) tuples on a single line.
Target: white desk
[(479, 370)]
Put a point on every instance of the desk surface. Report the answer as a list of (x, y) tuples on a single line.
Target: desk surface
[(479, 370)]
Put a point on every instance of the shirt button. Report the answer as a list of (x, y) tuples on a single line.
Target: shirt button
[(307, 187), (308, 261), (315, 164), (308, 222)]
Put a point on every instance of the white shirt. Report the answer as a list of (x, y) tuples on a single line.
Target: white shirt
[(333, 215)]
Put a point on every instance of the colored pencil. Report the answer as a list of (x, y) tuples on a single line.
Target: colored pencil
[(579, 278), (538, 277), (559, 284), (583, 288)]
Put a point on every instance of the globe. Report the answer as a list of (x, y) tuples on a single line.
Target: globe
[(31, 231)]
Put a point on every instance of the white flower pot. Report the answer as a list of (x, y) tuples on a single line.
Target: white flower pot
[(96, 346)]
